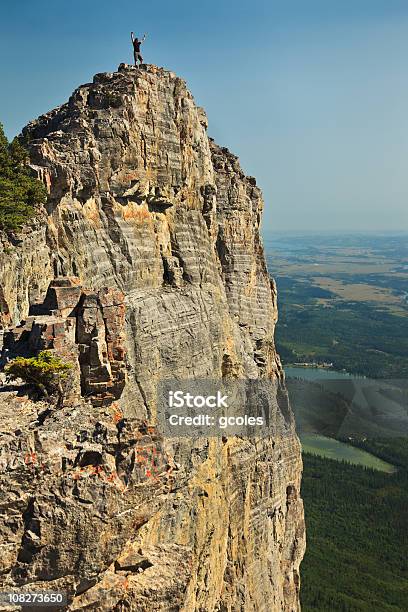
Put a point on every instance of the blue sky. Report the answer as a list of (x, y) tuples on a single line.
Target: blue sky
[(311, 94)]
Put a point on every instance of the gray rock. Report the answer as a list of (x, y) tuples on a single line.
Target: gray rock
[(143, 203)]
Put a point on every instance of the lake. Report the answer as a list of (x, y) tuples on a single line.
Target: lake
[(329, 447), (333, 449), (317, 373)]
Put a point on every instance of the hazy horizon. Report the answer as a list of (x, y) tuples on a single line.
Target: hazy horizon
[(334, 232), (311, 96)]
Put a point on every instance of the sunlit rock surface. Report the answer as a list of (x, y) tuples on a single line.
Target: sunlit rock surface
[(94, 502)]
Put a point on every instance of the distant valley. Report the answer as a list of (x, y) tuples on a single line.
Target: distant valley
[(343, 302)]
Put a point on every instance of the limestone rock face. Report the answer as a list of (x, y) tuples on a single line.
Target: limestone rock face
[(161, 227)]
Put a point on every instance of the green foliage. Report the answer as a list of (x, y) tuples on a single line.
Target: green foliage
[(45, 371), (20, 193), (357, 533), (356, 336)]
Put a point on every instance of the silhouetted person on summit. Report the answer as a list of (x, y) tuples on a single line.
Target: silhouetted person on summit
[(136, 48)]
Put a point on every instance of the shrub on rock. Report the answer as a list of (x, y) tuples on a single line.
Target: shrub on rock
[(46, 372)]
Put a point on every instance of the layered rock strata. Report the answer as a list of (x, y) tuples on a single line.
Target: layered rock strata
[(93, 500)]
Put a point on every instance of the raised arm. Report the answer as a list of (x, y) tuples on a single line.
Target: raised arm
[(144, 37), (132, 36)]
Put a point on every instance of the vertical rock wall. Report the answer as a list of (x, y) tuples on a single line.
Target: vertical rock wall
[(142, 202)]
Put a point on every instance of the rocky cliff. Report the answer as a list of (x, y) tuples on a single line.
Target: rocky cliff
[(147, 264)]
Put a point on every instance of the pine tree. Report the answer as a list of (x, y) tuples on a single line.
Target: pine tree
[(20, 193)]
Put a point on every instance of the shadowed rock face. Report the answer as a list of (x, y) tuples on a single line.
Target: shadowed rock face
[(93, 500)]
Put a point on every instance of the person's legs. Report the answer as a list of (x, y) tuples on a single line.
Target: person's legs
[(135, 57), (140, 58)]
